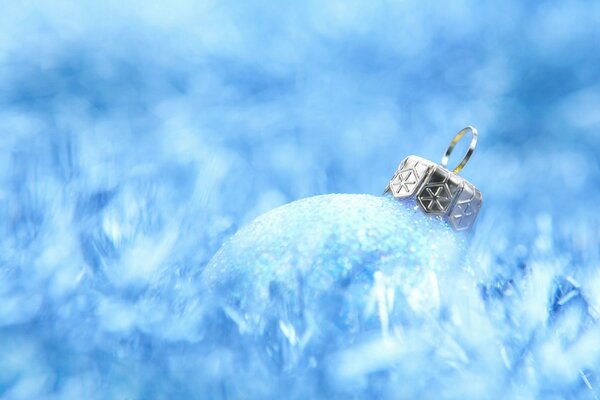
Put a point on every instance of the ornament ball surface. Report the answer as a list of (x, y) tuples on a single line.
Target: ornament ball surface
[(308, 295)]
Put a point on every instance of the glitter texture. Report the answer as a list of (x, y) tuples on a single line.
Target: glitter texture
[(331, 284)]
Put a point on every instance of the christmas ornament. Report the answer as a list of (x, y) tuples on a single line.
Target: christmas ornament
[(302, 285)]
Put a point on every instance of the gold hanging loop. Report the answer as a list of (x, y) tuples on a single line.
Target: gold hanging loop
[(453, 143)]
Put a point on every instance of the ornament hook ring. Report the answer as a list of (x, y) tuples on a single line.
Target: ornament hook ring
[(453, 143)]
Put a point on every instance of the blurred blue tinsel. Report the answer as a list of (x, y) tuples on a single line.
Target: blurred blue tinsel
[(136, 136)]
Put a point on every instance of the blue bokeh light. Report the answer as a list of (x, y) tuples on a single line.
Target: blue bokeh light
[(136, 137)]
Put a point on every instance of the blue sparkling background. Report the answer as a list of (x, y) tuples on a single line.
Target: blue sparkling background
[(135, 137)]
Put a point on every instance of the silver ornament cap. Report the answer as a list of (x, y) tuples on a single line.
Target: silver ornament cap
[(437, 190)]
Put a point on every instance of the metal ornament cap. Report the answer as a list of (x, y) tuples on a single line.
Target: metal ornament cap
[(438, 191)]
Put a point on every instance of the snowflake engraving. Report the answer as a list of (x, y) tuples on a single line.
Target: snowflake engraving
[(404, 182), (462, 214), (435, 198)]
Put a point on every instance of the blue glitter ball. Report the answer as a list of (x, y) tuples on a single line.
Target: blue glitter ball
[(312, 296)]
